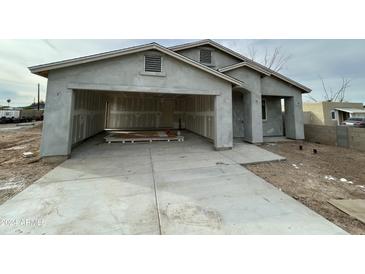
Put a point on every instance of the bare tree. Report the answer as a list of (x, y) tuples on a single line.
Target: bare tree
[(252, 51), (338, 95), (331, 95), (275, 60)]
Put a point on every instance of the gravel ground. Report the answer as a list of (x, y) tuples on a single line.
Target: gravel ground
[(17, 172), (313, 179)]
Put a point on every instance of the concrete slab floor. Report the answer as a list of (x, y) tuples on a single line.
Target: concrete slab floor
[(158, 188), (275, 139)]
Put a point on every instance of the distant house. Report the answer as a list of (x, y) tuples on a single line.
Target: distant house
[(331, 113)]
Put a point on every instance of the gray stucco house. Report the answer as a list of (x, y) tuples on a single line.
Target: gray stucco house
[(202, 86)]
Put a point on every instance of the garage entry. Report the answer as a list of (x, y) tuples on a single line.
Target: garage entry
[(95, 111), (124, 89)]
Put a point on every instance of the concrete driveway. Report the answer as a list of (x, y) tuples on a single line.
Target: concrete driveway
[(158, 188)]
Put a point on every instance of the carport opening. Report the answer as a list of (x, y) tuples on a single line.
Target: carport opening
[(102, 111)]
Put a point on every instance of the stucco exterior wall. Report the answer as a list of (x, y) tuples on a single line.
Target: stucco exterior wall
[(273, 125), (121, 74), (128, 71), (220, 59), (251, 112), (261, 86), (294, 120), (56, 132), (238, 114), (314, 112)]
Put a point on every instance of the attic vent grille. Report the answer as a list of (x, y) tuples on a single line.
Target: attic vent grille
[(152, 63), (205, 56)]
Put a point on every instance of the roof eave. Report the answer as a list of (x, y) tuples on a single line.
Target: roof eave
[(243, 64), (39, 69), (243, 58), (43, 70)]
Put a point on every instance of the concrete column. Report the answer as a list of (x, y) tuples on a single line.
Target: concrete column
[(223, 121), (57, 124), (252, 117), (294, 122)]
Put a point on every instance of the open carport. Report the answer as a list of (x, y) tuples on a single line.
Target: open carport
[(95, 111), (141, 87)]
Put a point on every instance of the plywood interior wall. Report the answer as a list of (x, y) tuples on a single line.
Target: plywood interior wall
[(143, 111), (199, 115), (88, 117)]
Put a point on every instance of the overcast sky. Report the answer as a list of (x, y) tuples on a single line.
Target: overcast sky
[(330, 59)]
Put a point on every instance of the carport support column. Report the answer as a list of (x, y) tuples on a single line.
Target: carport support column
[(253, 117), (57, 125), (294, 122), (223, 121)]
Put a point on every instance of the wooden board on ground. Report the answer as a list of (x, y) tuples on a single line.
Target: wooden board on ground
[(142, 136), (354, 207)]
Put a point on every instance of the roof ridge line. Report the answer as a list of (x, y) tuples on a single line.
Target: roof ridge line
[(242, 57), (101, 56)]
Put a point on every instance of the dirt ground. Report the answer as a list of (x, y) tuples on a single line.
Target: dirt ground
[(17, 172), (313, 179)]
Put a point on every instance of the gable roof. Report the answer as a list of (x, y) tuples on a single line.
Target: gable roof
[(43, 70), (250, 63), (243, 64)]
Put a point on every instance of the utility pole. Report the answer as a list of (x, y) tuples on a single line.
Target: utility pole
[(38, 96)]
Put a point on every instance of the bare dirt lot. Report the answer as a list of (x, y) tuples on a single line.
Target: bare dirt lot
[(17, 172), (313, 179)]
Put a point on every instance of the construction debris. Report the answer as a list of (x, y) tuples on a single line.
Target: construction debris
[(343, 180), (142, 136), (330, 178), (28, 154), (15, 148), (353, 207)]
